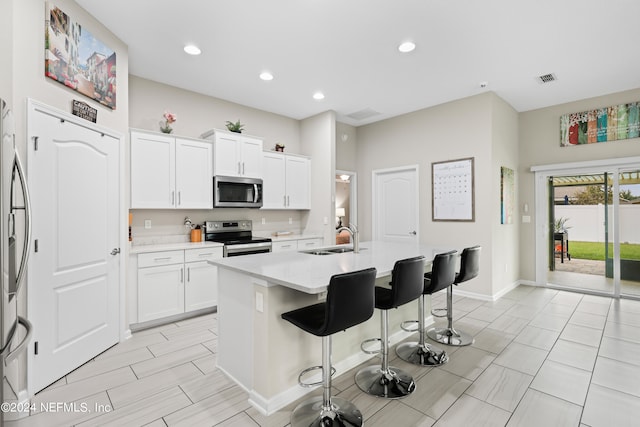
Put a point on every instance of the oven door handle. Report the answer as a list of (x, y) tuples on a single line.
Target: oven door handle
[(248, 247)]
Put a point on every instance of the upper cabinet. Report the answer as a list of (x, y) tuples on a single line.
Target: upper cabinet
[(169, 172), (235, 154), (285, 181)]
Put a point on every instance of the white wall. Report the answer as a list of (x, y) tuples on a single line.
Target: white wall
[(454, 130), (539, 139), (6, 50)]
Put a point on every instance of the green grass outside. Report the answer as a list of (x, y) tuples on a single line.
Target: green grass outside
[(595, 250)]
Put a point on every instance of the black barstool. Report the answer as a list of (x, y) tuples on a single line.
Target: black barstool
[(350, 301), (469, 266), (406, 285), (442, 274)]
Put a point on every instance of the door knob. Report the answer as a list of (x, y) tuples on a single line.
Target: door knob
[(115, 251)]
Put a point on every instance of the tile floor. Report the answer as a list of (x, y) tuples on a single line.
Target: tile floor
[(541, 358)]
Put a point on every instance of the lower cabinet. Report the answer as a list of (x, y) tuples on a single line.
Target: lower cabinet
[(296, 245), (176, 282)]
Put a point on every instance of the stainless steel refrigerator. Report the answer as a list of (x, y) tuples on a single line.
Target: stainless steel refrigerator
[(15, 329)]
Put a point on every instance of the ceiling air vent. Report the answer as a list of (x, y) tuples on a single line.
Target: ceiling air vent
[(363, 114), (547, 78)]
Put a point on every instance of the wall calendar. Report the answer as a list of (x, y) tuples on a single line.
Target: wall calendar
[(452, 192)]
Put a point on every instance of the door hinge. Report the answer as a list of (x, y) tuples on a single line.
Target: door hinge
[(35, 245), (35, 348), (35, 143)]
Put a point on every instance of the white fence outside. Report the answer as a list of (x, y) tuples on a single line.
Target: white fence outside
[(587, 222)]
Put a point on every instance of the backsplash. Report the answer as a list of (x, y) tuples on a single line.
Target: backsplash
[(167, 226)]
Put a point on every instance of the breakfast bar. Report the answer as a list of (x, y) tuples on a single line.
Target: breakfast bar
[(263, 353)]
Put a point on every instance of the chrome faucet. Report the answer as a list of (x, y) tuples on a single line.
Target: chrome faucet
[(353, 230)]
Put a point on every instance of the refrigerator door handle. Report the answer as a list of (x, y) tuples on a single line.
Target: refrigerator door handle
[(17, 167), (12, 354)]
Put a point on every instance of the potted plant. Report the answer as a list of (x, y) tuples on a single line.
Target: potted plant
[(236, 127), (559, 225)]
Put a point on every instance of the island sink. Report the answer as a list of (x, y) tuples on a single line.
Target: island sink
[(328, 251)]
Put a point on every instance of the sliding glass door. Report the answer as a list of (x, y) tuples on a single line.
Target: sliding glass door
[(587, 228)]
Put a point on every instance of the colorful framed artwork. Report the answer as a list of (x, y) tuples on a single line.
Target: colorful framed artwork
[(452, 193), (507, 195), (612, 123), (76, 59)]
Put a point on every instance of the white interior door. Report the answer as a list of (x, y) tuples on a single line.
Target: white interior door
[(73, 290), (395, 204)]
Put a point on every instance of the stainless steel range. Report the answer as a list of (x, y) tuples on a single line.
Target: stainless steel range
[(237, 237)]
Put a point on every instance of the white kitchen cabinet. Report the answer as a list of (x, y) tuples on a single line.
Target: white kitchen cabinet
[(160, 285), (169, 172), (201, 286), (176, 282), (235, 154), (285, 181), (296, 244)]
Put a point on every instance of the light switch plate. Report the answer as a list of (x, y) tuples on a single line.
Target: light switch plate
[(526, 218), (259, 302)]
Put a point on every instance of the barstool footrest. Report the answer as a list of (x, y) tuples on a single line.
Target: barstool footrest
[(312, 368), (405, 326), (370, 340), (438, 312)]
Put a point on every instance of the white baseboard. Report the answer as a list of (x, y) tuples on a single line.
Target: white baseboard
[(269, 406), (492, 298)]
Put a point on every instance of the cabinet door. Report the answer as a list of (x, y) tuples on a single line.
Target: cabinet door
[(251, 157), (194, 174), (298, 175), (160, 292), (201, 287), (226, 158), (273, 181), (152, 171)]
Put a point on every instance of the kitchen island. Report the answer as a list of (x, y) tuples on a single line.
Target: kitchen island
[(263, 353)]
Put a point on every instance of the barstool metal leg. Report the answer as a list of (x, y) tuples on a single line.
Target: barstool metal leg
[(449, 335), (326, 411), (421, 353), (384, 380)]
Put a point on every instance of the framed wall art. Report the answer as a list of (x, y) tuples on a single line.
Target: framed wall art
[(612, 123), (453, 192), (78, 60)]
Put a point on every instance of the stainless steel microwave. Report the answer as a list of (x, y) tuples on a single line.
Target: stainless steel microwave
[(237, 192)]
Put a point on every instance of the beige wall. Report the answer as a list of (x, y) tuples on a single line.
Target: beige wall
[(28, 66), (346, 149), (454, 130), (505, 237), (318, 136), (539, 137)]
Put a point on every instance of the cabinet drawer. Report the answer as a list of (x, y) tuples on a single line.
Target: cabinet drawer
[(203, 254), (152, 259), (308, 244), (289, 245)]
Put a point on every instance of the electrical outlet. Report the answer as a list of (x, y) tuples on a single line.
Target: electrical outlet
[(322, 296), (147, 224), (290, 220), (325, 220), (264, 221)]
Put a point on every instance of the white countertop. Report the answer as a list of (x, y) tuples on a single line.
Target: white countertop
[(311, 273), (140, 249)]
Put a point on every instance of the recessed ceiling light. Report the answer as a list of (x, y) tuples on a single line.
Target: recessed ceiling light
[(318, 96), (192, 49), (406, 47), (266, 76)]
